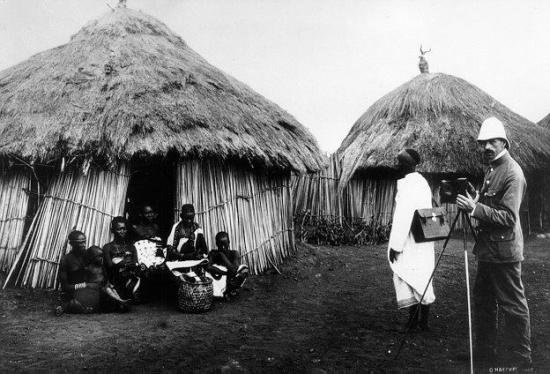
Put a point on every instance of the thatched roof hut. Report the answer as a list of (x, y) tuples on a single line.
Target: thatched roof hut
[(439, 115), (126, 85), (127, 96)]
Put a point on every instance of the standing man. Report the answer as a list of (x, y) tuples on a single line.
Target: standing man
[(412, 263), (499, 251)]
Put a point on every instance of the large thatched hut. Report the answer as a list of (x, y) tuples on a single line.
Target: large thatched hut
[(127, 113), (439, 115)]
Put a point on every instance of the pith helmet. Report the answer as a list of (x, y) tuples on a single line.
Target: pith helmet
[(492, 128)]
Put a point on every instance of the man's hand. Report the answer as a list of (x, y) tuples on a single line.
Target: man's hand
[(472, 192), (393, 255), (466, 203)]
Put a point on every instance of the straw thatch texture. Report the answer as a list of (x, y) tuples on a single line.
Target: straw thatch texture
[(545, 122), (255, 209), (439, 115), (14, 201), (126, 85), (72, 201)]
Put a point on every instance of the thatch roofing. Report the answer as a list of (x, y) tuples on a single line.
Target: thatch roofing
[(439, 115), (126, 85), (545, 122)]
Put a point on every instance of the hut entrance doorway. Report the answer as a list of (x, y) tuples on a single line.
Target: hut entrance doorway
[(152, 182)]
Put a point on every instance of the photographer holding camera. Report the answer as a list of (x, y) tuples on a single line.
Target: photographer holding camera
[(499, 251)]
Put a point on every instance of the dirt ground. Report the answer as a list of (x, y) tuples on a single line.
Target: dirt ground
[(331, 310)]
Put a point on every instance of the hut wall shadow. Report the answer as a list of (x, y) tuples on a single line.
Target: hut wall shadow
[(152, 183)]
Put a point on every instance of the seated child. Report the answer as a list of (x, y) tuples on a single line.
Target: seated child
[(96, 273), (223, 261)]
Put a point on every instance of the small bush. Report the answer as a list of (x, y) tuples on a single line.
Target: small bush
[(328, 230)]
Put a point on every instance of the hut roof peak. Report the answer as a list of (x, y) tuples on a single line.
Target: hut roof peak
[(123, 21), (423, 63), (126, 85), (439, 115)]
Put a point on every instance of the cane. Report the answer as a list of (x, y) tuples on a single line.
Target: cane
[(464, 243)]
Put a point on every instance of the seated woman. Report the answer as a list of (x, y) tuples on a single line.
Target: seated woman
[(77, 295), (224, 261), (110, 300), (186, 240), (121, 261), (146, 227)]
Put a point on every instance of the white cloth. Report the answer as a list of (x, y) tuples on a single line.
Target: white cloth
[(182, 241), (178, 268), (415, 262), (219, 285), (147, 253)]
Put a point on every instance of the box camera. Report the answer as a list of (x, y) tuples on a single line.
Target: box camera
[(449, 189)]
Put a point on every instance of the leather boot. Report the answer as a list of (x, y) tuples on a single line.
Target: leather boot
[(424, 314)]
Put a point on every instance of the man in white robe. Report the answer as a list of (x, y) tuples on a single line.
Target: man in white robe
[(412, 263)]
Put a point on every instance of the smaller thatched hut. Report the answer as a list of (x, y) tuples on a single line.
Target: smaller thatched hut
[(126, 112), (439, 115)]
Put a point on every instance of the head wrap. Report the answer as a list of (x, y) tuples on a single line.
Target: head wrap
[(187, 208), (409, 157), (75, 234)]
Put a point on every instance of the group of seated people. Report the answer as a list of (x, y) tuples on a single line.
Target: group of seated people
[(108, 279)]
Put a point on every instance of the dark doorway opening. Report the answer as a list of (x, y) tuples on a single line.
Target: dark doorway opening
[(152, 182)]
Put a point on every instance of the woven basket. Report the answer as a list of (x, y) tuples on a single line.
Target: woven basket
[(195, 297)]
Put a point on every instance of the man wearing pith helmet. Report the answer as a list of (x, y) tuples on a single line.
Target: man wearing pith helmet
[(499, 251)]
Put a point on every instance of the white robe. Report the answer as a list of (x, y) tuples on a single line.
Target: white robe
[(415, 262)]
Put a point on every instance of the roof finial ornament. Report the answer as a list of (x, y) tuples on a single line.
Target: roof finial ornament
[(121, 4), (422, 63)]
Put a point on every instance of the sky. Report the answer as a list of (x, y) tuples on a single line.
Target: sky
[(327, 61)]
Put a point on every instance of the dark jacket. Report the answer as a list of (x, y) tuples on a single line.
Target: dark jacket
[(500, 238)]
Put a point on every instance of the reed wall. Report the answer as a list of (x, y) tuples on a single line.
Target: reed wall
[(317, 193), (14, 200), (255, 209), (370, 198), (72, 201)]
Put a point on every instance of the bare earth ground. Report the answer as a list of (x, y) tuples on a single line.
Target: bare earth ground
[(332, 310)]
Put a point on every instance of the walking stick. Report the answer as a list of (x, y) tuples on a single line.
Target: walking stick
[(465, 245)]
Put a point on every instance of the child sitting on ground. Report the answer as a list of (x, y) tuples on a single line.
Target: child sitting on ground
[(224, 261)]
